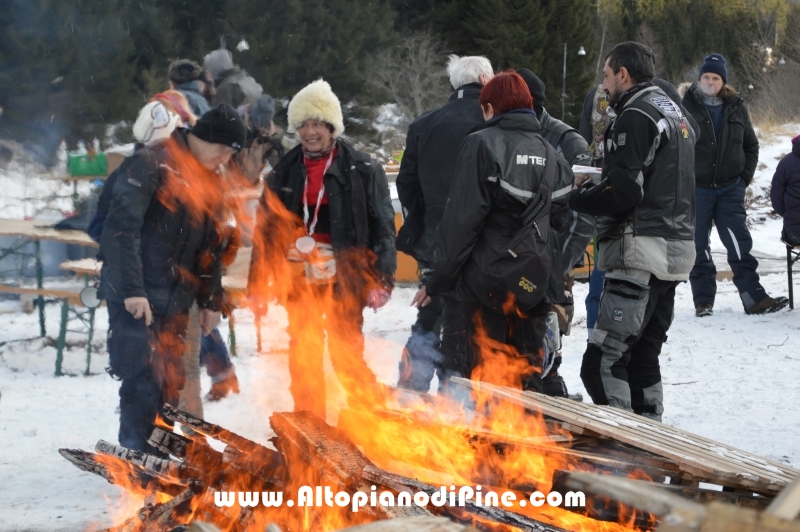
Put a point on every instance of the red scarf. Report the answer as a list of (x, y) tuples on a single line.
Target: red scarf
[(315, 168)]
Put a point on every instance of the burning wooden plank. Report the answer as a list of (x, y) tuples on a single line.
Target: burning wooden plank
[(112, 468), (329, 451), (679, 514), (489, 447), (702, 458), (488, 513), (161, 466), (240, 453), (169, 442), (257, 451)]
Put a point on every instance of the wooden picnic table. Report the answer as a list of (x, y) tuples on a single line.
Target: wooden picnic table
[(35, 231), (88, 267), (234, 282), (32, 231)]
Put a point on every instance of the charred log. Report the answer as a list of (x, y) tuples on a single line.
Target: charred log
[(330, 451), (112, 468)]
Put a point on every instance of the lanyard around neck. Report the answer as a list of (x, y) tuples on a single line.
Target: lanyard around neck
[(310, 228)]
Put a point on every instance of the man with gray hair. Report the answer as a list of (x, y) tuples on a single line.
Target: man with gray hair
[(426, 172)]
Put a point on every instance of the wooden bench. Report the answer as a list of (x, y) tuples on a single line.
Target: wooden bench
[(29, 231), (70, 299), (88, 269)]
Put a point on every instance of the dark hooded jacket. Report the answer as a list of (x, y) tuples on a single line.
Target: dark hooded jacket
[(359, 206), (735, 155), (785, 192), (428, 166), (149, 250)]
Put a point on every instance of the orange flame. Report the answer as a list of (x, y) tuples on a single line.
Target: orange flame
[(451, 444)]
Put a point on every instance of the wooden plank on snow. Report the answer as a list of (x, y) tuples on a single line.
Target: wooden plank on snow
[(702, 457)]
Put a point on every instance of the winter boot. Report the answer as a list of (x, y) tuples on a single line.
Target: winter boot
[(554, 385), (768, 305), (221, 389), (702, 310)]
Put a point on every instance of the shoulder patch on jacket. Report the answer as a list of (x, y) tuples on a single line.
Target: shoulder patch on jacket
[(667, 106)]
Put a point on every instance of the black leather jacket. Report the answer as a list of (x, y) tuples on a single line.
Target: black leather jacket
[(359, 207), (667, 206), (498, 171)]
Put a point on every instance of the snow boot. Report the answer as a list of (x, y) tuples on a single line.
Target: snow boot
[(554, 385), (768, 305), (702, 310), (220, 390)]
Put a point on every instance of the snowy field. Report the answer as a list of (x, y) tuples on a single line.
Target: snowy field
[(730, 377)]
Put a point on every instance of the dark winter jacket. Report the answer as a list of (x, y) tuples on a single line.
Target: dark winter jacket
[(573, 228), (428, 166), (153, 251), (735, 155), (197, 101), (498, 171), (359, 206), (785, 193), (645, 202)]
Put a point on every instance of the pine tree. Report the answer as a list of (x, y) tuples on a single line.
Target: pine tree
[(293, 42), (517, 34)]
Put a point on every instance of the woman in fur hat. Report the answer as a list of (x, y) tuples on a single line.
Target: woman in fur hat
[(324, 245)]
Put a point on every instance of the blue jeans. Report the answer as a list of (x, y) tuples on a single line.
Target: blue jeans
[(593, 298), (214, 356), (725, 208)]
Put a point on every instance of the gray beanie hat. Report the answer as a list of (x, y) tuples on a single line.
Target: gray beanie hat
[(218, 62)]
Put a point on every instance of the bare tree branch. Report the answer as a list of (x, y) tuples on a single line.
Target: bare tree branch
[(412, 74)]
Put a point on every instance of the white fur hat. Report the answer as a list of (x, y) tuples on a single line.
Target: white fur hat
[(316, 101)]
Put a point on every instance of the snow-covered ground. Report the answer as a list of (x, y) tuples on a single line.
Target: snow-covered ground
[(729, 377)]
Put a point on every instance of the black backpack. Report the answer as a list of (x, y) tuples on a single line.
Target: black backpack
[(520, 265)]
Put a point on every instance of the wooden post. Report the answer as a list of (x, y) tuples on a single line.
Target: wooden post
[(62, 337), (190, 400)]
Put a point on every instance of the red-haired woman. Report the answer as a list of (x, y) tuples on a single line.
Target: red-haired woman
[(494, 245)]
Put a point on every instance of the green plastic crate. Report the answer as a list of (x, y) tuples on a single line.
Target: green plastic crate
[(90, 165)]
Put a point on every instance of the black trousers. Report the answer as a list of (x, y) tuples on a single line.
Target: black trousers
[(484, 345), (620, 366), (149, 362)]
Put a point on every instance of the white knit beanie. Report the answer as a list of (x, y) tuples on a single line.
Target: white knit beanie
[(155, 123), (316, 101)]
